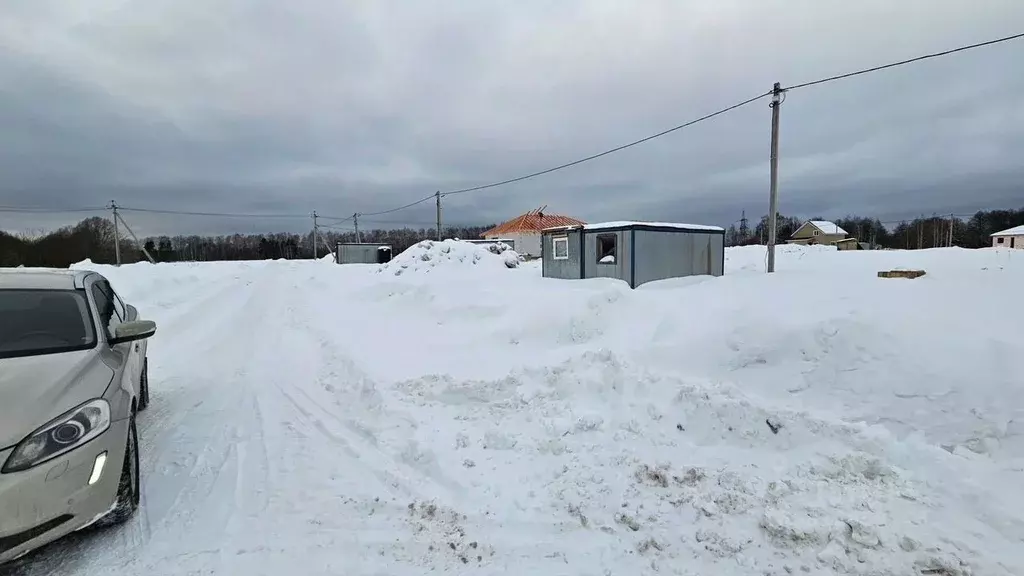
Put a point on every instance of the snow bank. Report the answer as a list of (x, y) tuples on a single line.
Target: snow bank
[(670, 471), (429, 255)]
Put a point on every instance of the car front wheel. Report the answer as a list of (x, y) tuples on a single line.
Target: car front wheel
[(128, 488)]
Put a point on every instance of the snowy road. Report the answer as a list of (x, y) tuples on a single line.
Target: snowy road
[(248, 463), (323, 420)]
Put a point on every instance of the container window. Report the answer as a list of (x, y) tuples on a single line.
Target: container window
[(999, 240), (607, 248), (560, 248)]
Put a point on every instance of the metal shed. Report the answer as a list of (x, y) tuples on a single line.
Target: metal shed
[(636, 252), (362, 253)]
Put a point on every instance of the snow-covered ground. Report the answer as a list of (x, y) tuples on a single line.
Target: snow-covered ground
[(469, 417)]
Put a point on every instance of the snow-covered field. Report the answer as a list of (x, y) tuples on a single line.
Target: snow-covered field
[(469, 417)]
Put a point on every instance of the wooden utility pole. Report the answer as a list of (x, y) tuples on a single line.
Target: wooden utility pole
[(437, 198), (316, 235), (117, 235), (773, 200), (139, 242), (355, 221)]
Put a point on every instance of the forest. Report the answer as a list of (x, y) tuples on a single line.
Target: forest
[(93, 238)]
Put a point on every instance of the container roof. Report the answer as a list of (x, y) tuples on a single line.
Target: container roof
[(639, 224)]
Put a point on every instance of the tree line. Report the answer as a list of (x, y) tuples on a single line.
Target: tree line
[(93, 238), (920, 233)]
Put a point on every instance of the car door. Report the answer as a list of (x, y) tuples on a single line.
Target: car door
[(138, 348), (106, 307)]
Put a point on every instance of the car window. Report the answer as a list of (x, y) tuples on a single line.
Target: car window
[(118, 305), (44, 322), (105, 307)]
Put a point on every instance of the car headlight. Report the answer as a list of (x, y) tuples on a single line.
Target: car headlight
[(61, 435)]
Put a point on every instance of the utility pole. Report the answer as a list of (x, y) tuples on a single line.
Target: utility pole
[(316, 236), (773, 201), (952, 221), (136, 238), (437, 197), (355, 221), (117, 235)]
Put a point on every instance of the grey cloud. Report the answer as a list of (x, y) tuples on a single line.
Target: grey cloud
[(268, 106)]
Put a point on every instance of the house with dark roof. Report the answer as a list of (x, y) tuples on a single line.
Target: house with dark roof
[(525, 230)]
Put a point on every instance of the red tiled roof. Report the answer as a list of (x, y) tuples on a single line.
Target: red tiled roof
[(532, 221)]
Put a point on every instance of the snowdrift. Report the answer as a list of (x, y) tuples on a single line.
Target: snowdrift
[(429, 255)]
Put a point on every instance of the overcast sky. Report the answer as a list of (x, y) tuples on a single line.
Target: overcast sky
[(270, 106)]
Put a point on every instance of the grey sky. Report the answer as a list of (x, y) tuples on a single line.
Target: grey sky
[(285, 107)]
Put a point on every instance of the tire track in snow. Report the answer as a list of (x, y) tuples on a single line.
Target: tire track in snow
[(313, 414), (362, 397)]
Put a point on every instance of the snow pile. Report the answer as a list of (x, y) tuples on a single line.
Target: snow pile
[(669, 471), (429, 254), (820, 420)]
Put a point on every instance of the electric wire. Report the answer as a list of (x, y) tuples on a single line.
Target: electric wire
[(42, 210), (216, 214), (610, 151), (907, 61)]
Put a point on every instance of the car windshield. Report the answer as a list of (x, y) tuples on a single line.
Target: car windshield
[(36, 322)]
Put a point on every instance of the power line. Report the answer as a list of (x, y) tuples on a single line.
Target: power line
[(41, 210), (337, 220), (908, 61), (701, 119), (217, 214), (409, 205), (605, 153), (335, 227)]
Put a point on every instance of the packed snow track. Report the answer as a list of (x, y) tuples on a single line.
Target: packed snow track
[(454, 412)]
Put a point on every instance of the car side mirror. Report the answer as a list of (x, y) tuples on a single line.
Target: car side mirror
[(133, 330)]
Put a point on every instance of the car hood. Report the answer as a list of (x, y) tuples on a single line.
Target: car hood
[(37, 389)]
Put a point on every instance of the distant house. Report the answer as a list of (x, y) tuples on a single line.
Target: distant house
[(1009, 238), (818, 232), (525, 230)]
